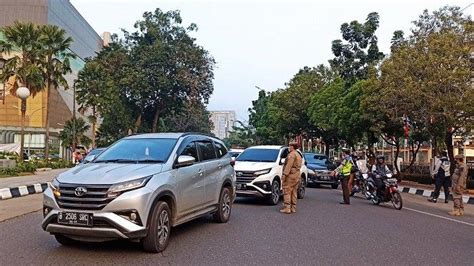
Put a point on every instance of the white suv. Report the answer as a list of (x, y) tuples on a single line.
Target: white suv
[(259, 170)]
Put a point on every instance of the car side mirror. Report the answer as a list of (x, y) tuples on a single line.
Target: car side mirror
[(185, 160), (233, 158), (90, 159), (282, 161)]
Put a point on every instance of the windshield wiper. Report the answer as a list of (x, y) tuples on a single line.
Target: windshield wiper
[(116, 161), (150, 161)]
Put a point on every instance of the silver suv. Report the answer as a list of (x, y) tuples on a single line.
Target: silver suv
[(139, 188)]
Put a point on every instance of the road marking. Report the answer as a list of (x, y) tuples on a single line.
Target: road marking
[(438, 216)]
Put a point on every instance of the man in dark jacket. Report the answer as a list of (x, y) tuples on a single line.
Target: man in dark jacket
[(442, 176)]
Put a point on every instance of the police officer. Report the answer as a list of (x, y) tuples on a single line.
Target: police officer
[(291, 179), (442, 177), (344, 170), (458, 184)]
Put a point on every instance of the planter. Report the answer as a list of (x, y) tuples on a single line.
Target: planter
[(7, 163)]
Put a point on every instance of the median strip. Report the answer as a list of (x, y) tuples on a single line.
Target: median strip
[(20, 191)]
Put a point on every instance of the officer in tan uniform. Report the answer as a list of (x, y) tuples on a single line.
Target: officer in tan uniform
[(291, 179), (458, 180)]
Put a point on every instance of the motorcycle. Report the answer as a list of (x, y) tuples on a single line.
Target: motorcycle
[(390, 191), (360, 185)]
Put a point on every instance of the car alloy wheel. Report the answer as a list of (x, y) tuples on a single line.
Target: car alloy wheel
[(163, 227), (224, 208), (275, 197)]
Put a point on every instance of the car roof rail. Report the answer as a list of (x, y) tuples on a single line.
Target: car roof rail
[(200, 134)]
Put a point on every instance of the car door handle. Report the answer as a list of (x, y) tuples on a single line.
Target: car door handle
[(201, 172), (219, 165)]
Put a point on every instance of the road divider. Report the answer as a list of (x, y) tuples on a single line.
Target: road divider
[(428, 193), (20, 191)]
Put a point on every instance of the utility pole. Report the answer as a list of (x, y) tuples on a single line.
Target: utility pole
[(74, 144)]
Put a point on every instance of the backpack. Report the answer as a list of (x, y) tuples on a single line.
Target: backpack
[(444, 168)]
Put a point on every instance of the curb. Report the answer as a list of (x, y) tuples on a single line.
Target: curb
[(428, 193), (15, 192)]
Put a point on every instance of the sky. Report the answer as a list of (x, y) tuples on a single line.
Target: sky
[(262, 42)]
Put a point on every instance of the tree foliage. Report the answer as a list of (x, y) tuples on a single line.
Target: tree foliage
[(75, 132)]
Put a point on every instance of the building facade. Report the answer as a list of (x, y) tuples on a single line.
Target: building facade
[(223, 122), (86, 43)]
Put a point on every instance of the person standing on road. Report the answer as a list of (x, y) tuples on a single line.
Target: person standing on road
[(442, 177), (344, 170), (291, 179), (459, 183)]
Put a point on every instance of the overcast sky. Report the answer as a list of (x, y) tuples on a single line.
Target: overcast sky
[(262, 43)]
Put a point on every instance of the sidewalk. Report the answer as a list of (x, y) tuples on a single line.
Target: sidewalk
[(19, 186), (39, 177), (412, 184)]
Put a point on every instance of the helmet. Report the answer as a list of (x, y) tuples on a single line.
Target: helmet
[(380, 157)]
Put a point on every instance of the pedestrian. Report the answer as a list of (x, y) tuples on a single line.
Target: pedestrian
[(442, 177), (291, 179), (459, 184), (344, 171)]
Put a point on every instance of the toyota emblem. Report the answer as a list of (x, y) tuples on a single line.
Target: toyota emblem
[(239, 173), (80, 191)]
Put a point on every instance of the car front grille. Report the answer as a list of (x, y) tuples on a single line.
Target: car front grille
[(244, 177), (94, 199)]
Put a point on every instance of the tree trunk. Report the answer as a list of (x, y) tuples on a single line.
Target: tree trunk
[(448, 140), (48, 105), (138, 123), (397, 152), (326, 149), (414, 152), (156, 117)]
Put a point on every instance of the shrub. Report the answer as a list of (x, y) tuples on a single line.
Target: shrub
[(419, 178)]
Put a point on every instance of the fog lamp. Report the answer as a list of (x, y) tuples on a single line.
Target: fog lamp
[(133, 216)]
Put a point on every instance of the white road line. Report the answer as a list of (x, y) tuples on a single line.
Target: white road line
[(438, 216)]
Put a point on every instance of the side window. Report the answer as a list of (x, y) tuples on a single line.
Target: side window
[(191, 150), (206, 150), (284, 153), (220, 149)]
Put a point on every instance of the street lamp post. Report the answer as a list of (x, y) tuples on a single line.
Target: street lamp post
[(23, 93)]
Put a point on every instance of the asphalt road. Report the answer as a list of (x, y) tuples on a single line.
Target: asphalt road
[(322, 232)]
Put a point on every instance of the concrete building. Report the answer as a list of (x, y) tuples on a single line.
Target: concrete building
[(223, 122), (86, 42)]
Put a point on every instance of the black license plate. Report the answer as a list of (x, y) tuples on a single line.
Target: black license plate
[(75, 218)]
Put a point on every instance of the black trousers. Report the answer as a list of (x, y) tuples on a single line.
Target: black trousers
[(345, 189), (445, 183)]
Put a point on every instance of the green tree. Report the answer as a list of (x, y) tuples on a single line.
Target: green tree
[(265, 131), (21, 44), (74, 131), (54, 58), (357, 51), (242, 136), (92, 92)]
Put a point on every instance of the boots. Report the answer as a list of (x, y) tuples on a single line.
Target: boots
[(293, 209), (286, 209), (455, 212), (434, 200)]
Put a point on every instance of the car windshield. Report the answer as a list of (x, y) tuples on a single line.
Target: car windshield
[(138, 151), (258, 155), (315, 158), (93, 153)]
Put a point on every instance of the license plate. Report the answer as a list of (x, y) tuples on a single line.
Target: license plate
[(75, 218)]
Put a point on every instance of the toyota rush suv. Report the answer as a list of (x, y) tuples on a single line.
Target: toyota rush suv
[(139, 188), (259, 170)]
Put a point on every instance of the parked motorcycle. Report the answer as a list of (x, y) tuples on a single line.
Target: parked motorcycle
[(390, 191)]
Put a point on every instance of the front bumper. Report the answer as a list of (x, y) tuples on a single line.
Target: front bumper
[(107, 224), (261, 189), (322, 179)]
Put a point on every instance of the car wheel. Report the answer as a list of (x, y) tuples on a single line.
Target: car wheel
[(275, 196), (64, 240), (334, 186), (159, 230), (302, 189), (224, 208)]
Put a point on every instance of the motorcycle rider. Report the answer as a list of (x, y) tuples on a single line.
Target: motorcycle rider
[(379, 171)]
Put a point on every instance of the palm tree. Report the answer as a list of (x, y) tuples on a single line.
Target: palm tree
[(21, 44), (55, 56), (75, 127), (90, 92)]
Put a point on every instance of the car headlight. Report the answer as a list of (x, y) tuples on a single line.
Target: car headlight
[(311, 172), (55, 187), (116, 189), (262, 172)]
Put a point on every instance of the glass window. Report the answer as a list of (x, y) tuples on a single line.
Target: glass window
[(138, 151), (259, 155), (191, 150), (206, 150), (221, 149)]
